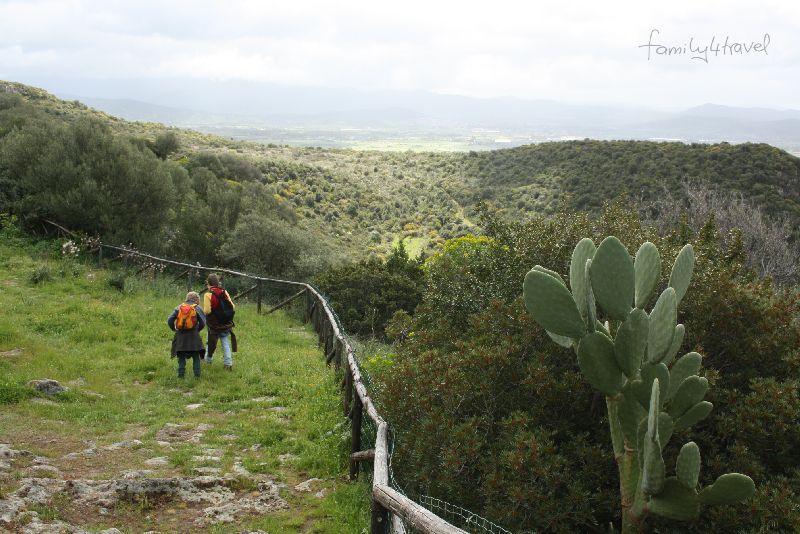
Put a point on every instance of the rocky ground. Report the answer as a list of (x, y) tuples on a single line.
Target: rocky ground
[(64, 487)]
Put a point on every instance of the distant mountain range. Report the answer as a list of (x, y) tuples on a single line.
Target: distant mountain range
[(262, 111)]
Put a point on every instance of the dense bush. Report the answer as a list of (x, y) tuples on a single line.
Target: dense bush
[(207, 207), (368, 293), (489, 411)]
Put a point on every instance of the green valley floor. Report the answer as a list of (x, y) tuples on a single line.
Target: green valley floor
[(128, 445)]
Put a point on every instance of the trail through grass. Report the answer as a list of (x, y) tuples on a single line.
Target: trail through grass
[(277, 414)]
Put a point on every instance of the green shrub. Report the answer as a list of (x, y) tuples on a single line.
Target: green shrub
[(367, 294), (118, 281), (486, 406), (11, 392), (40, 274)]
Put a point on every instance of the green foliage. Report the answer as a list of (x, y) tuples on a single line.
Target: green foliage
[(262, 245), (398, 329), (40, 274), (85, 178), (165, 144), (461, 277), (118, 281), (362, 201), (367, 294), (488, 408), (11, 392)]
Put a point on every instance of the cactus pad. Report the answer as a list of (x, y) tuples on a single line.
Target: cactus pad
[(578, 282), (675, 501), (647, 269), (692, 391), (550, 304), (687, 467), (613, 278), (728, 489), (551, 273), (696, 413), (653, 472), (686, 366), (663, 320), (681, 273), (677, 340), (597, 362), (631, 342), (649, 373)]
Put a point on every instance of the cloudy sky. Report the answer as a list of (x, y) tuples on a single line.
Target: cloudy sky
[(573, 51)]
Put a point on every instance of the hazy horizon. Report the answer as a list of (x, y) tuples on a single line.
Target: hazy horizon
[(575, 53)]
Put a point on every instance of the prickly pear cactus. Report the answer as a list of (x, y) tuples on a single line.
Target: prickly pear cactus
[(648, 392)]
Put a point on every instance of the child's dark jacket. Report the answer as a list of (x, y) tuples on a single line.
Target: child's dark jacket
[(187, 340)]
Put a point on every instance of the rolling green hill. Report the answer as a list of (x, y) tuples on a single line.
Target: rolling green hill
[(362, 202)]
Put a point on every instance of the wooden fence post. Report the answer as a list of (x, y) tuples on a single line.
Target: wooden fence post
[(258, 297), (100, 255), (380, 518), (329, 340), (190, 280), (348, 390), (358, 409)]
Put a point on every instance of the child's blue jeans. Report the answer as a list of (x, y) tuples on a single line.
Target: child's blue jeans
[(182, 363)]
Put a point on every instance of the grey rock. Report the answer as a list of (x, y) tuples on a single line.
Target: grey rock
[(7, 452), (207, 470), (182, 433), (126, 444), (306, 486), (48, 386), (206, 458), (137, 473)]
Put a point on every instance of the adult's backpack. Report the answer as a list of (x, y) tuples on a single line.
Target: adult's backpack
[(221, 306), (187, 317)]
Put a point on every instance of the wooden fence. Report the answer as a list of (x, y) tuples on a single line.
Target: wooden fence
[(356, 401)]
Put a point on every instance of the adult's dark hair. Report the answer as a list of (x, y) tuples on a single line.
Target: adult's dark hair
[(213, 280)]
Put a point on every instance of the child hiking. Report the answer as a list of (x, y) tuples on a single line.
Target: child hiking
[(219, 309), (186, 320)]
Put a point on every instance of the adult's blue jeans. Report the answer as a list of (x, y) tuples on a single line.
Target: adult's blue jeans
[(227, 354)]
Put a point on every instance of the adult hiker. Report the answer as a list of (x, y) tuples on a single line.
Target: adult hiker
[(219, 309), (186, 320)]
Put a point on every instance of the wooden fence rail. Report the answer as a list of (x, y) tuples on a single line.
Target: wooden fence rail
[(355, 397)]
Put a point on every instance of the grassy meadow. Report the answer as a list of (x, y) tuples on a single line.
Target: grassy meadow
[(278, 412)]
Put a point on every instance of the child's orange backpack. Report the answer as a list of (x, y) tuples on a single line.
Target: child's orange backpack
[(187, 317)]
